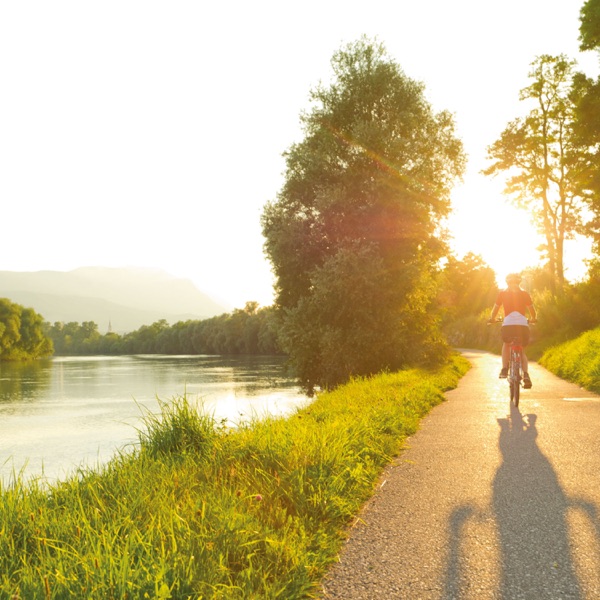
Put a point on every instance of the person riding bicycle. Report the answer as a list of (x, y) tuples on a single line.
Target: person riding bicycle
[(516, 302)]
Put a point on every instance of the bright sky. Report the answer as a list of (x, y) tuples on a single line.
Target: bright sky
[(150, 134)]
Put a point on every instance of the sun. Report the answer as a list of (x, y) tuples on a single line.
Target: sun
[(484, 223)]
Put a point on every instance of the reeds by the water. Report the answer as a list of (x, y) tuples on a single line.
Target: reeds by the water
[(201, 511)]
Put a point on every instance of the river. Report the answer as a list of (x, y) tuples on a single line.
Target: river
[(68, 412)]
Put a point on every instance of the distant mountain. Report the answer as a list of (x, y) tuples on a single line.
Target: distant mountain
[(126, 298)]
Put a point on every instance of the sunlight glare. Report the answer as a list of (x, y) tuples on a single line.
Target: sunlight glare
[(484, 223)]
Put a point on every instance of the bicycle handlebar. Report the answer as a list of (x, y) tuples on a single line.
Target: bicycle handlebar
[(499, 320)]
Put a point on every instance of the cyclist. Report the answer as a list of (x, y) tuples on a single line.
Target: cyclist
[(516, 304)]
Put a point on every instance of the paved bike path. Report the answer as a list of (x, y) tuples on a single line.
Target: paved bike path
[(487, 501)]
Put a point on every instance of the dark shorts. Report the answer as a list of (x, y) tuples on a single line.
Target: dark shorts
[(520, 332)]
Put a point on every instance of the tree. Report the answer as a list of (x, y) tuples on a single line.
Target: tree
[(468, 290), (589, 29), (468, 287), (22, 334), (34, 340), (543, 159), (586, 97), (354, 235), (74, 339), (10, 324)]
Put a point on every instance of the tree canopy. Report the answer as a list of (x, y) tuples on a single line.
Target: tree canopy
[(543, 159), (589, 29), (22, 334), (354, 236), (586, 96), (468, 288)]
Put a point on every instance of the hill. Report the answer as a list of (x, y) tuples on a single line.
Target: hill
[(124, 297)]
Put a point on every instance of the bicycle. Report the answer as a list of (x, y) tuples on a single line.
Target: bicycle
[(515, 368)]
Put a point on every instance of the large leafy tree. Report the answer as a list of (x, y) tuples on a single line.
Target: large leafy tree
[(586, 96), (354, 235), (22, 334), (589, 29), (543, 159)]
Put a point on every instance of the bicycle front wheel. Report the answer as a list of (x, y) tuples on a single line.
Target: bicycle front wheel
[(515, 391), (514, 377)]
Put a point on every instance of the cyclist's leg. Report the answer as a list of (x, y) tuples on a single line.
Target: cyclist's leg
[(505, 355), (505, 332), (525, 363)]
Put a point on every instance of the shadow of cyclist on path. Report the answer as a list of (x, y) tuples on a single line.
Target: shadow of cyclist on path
[(454, 568), (530, 510)]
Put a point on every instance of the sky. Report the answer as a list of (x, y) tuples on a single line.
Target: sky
[(150, 134)]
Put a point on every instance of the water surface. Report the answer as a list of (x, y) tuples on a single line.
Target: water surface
[(59, 414)]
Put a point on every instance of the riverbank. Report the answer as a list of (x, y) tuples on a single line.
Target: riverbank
[(198, 510), (59, 414)]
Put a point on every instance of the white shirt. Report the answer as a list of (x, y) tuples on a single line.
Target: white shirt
[(515, 318)]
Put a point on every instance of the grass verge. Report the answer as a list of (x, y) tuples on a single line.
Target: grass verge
[(198, 511), (577, 360)]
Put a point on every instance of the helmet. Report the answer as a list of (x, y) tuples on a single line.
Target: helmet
[(513, 278)]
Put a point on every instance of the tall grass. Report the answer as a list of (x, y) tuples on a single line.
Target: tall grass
[(577, 360), (200, 511)]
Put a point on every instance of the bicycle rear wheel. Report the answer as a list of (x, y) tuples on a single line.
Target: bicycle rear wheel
[(514, 378)]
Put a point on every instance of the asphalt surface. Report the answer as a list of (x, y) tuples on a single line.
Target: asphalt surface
[(486, 501)]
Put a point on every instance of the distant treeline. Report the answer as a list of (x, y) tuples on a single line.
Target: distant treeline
[(244, 331)]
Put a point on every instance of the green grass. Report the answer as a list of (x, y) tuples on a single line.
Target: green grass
[(200, 511), (577, 360)]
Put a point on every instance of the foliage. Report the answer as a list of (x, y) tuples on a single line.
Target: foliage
[(73, 338), (204, 512), (466, 294), (22, 334), (589, 30), (577, 360), (586, 97), (244, 331), (468, 287), (576, 310), (543, 160), (561, 317), (354, 236)]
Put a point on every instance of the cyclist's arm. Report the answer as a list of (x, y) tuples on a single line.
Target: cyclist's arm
[(532, 312), (494, 312)]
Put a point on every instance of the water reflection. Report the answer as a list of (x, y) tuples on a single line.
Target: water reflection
[(56, 414), (24, 380)]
